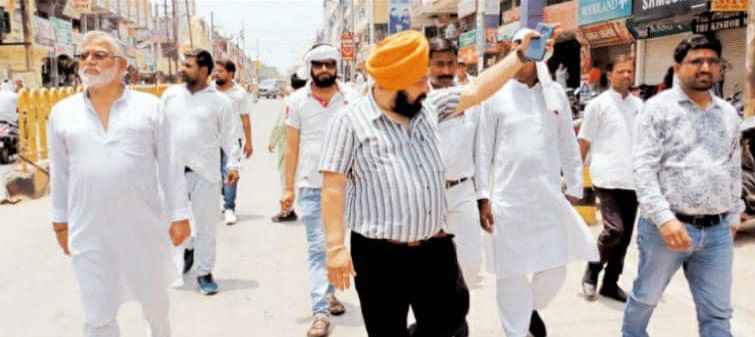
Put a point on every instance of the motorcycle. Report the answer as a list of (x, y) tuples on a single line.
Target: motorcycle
[(8, 141)]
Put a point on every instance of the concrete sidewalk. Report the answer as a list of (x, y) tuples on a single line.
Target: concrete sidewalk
[(262, 274)]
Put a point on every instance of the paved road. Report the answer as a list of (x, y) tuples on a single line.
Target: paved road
[(262, 274)]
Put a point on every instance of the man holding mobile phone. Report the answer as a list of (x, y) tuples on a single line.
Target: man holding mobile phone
[(528, 141)]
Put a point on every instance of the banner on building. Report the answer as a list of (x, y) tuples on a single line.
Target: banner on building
[(507, 31), (347, 46), (43, 33), (467, 39), (728, 5), (466, 8), (592, 11), (399, 18)]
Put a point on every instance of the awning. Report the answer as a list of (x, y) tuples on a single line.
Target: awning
[(652, 10)]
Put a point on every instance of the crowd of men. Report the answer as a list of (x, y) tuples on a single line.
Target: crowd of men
[(405, 171)]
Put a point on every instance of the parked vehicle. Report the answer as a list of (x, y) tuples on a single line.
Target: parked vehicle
[(8, 141), (269, 88)]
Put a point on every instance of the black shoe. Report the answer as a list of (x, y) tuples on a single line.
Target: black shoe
[(613, 292), (590, 280), (537, 326), (188, 259), (207, 285), (285, 217)]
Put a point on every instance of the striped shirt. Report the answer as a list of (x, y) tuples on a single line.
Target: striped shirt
[(396, 174)]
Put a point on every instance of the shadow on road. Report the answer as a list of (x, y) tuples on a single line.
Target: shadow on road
[(236, 284), (249, 217)]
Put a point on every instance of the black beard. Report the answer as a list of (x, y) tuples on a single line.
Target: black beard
[(402, 106), (220, 82), (324, 82)]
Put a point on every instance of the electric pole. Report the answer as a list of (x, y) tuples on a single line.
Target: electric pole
[(167, 38), (188, 24)]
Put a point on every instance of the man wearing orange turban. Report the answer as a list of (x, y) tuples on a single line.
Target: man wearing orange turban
[(385, 146)]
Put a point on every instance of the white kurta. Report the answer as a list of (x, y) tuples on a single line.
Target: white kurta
[(108, 185), (535, 227)]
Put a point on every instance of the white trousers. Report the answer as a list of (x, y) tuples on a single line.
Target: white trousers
[(98, 294), (204, 197), (518, 295), (464, 223)]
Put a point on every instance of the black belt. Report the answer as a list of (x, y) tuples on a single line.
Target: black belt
[(452, 183), (701, 221), (187, 169)]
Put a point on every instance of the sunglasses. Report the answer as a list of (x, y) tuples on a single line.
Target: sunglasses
[(96, 55), (328, 65)]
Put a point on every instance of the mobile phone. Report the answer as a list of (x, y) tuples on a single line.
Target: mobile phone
[(536, 49)]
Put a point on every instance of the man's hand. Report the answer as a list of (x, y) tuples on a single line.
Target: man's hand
[(340, 268), (61, 234), (734, 229), (486, 215), (179, 231), (535, 35), (248, 150), (233, 177), (674, 233), (287, 201)]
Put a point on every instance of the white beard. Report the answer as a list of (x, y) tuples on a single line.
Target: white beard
[(95, 81)]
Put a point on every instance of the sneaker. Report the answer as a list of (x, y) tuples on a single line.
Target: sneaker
[(230, 217), (614, 292), (188, 259), (207, 285), (285, 217), (320, 326)]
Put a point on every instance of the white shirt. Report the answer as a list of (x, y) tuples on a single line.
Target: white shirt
[(459, 145), (205, 122), (8, 105), (312, 119), (107, 185), (240, 102), (527, 147), (608, 126)]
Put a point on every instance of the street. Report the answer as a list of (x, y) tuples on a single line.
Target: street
[(262, 274)]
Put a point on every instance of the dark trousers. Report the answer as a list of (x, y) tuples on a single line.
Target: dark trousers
[(392, 277), (619, 209)]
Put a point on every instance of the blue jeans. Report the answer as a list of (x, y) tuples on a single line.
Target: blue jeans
[(319, 287), (229, 191), (707, 267)]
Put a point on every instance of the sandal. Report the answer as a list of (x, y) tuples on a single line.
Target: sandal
[(320, 327), (335, 307)]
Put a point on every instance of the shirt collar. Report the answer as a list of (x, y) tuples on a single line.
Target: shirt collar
[(618, 95), (683, 98), (123, 98), (339, 92), (375, 112), (208, 88)]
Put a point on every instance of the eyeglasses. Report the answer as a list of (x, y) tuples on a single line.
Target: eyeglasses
[(96, 55), (327, 65), (711, 61)]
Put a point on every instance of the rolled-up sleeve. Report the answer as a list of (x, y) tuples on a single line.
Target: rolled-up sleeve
[(338, 149), (58, 169), (647, 154)]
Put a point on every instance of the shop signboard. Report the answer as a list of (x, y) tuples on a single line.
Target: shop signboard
[(647, 10), (712, 22), (468, 38), (592, 11), (653, 30), (728, 5), (347, 46), (606, 34), (507, 31)]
